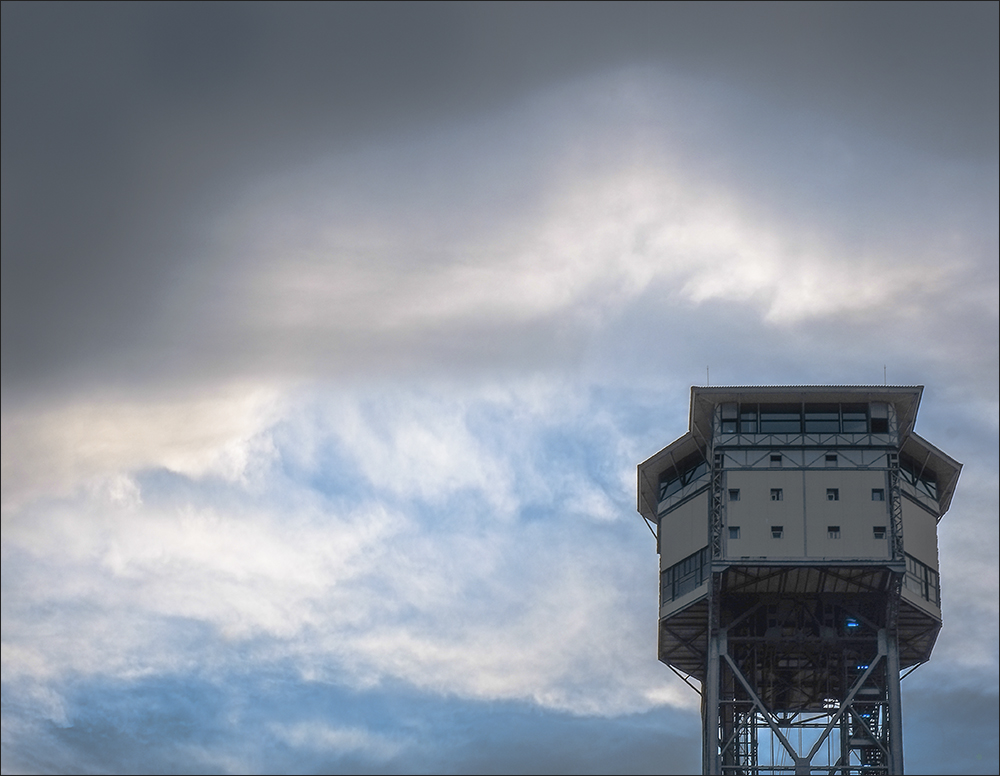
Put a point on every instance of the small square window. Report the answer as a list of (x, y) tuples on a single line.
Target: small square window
[(878, 531), (777, 494), (777, 531), (734, 532), (833, 494), (734, 494), (775, 459), (831, 459), (833, 531), (878, 494)]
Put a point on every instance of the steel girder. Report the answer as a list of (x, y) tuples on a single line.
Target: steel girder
[(801, 684)]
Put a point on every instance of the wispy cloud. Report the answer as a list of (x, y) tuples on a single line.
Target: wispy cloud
[(400, 545)]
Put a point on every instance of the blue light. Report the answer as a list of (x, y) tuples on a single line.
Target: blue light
[(862, 668), (852, 623)]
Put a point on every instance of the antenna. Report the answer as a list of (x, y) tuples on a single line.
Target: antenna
[(708, 380), (883, 375)]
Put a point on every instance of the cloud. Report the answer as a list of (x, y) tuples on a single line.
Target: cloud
[(375, 263), (324, 737), (55, 447), (410, 564), (304, 207)]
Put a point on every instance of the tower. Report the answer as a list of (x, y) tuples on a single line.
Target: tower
[(797, 533)]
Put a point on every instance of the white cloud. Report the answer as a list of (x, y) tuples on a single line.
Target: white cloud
[(125, 587), (392, 578), (56, 448), (320, 736), (374, 535), (421, 446)]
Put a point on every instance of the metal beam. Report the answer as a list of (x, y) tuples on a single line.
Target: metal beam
[(895, 709)]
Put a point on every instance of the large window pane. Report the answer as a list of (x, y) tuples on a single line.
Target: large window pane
[(728, 418), (822, 419), (780, 419), (922, 580), (676, 477), (748, 418), (922, 479), (855, 418), (685, 576)]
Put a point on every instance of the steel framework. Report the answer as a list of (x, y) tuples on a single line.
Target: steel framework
[(801, 683)]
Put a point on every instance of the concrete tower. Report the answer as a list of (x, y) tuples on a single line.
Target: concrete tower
[(797, 534)]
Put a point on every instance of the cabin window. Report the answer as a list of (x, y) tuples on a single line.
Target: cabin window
[(687, 471), (880, 418), (923, 479), (780, 418), (854, 418), (922, 580), (729, 415), (822, 418), (685, 576)]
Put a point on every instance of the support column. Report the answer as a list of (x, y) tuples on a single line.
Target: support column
[(895, 703), (710, 761)]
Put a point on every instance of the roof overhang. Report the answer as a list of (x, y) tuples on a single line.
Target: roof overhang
[(905, 398), (649, 471), (946, 469)]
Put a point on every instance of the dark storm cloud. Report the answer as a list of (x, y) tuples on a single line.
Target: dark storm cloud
[(123, 123)]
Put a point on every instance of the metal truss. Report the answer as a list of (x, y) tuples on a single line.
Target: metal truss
[(895, 507), (717, 504), (802, 685), (811, 457), (717, 518), (832, 440)]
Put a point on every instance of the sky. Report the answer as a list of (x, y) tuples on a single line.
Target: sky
[(332, 335)]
